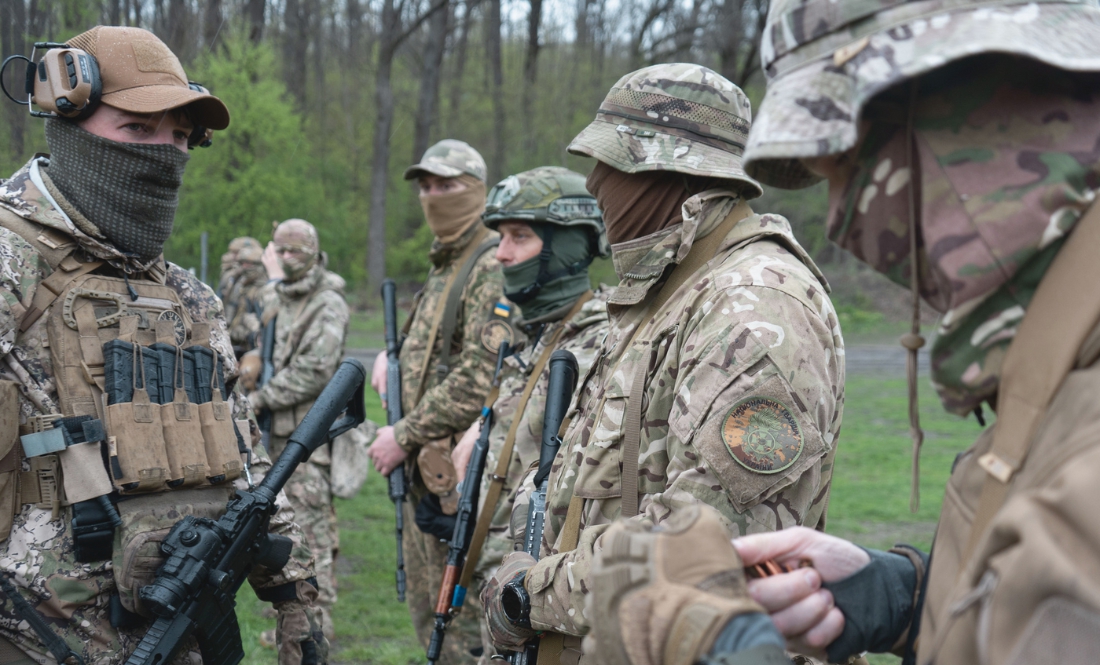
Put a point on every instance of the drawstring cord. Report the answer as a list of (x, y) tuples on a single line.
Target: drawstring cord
[(913, 341)]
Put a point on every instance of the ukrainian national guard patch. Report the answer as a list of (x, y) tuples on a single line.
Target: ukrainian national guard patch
[(762, 434), (493, 333)]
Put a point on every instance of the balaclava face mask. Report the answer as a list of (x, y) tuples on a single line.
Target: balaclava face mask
[(570, 247), (1007, 159), (300, 236), (450, 215), (129, 191)]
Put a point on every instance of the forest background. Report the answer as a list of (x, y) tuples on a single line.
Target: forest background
[(332, 99)]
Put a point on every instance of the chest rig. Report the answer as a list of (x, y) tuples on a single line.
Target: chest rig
[(141, 393)]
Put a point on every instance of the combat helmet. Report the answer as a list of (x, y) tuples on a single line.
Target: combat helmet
[(674, 117), (549, 196), (825, 60), (449, 158)]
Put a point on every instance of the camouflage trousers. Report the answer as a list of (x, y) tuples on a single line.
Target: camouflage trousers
[(310, 494), (425, 559)]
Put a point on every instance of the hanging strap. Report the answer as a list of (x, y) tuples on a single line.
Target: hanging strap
[(700, 253), (434, 331), (1056, 324), (450, 310), (496, 483)]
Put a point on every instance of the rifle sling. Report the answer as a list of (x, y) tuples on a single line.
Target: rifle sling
[(496, 483)]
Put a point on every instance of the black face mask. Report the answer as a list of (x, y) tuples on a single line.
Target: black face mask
[(129, 191)]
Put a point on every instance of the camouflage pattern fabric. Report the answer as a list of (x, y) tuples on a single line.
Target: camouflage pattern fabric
[(697, 124), (449, 159), (310, 330), (824, 60), (230, 268), (583, 336), (39, 556), (744, 397), (243, 308)]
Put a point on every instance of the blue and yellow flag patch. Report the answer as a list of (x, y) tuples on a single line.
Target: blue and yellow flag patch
[(502, 310)]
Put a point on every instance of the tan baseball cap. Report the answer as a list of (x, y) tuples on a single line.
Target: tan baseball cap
[(141, 75)]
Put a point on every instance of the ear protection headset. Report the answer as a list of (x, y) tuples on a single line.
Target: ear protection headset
[(66, 83)]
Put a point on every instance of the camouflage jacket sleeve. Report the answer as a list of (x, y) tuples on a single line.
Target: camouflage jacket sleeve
[(452, 404), (745, 392), (319, 352), (21, 268)]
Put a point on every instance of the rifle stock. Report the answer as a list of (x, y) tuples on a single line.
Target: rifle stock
[(396, 478)]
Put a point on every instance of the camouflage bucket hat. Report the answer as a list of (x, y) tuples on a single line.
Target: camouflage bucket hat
[(449, 159), (673, 117), (548, 195), (825, 60)]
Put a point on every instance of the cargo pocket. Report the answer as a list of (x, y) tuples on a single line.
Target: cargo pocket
[(9, 456)]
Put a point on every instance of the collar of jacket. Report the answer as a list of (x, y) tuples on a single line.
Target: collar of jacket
[(25, 194), (442, 254), (644, 261)]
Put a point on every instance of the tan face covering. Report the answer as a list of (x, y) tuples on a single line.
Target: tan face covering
[(450, 215)]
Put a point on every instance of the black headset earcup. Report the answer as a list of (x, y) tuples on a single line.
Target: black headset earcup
[(97, 85)]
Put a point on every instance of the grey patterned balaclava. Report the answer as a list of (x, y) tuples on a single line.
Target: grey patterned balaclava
[(129, 191)]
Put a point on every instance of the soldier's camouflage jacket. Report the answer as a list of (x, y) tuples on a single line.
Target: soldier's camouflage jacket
[(583, 337), (451, 405), (311, 326), (744, 393), (38, 556), (244, 307)]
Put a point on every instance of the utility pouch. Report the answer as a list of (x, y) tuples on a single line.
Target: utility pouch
[(9, 456), (438, 472), (139, 459), (183, 435), (146, 521), (223, 451)]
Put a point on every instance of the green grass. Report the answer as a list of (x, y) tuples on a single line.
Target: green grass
[(869, 504), (366, 329)]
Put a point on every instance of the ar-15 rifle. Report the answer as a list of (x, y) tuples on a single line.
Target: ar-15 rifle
[(514, 599), (452, 595), (208, 560), (393, 414), (267, 355)]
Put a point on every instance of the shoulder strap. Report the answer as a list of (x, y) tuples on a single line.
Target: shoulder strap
[(52, 245), (454, 301), (496, 482), (1037, 363), (434, 331)]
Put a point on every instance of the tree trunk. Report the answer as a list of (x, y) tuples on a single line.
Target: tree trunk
[(255, 13), (177, 22), (295, 43), (430, 77), (496, 72), (460, 62), (383, 125), (212, 23), (114, 12), (530, 76), (13, 22)]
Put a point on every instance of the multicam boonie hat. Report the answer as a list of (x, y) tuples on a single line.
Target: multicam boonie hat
[(237, 244), (548, 195), (674, 117), (826, 59), (449, 159)]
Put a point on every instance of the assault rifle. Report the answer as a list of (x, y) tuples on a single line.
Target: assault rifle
[(514, 599), (267, 355), (393, 414), (208, 560), (452, 595)]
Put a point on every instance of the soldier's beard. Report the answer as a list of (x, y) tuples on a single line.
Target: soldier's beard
[(450, 215)]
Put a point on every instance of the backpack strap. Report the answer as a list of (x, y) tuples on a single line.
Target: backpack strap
[(454, 301)]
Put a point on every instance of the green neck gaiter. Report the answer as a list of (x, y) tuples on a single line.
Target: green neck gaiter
[(129, 191), (568, 246)]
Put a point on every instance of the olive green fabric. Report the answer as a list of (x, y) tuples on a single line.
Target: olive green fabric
[(568, 246)]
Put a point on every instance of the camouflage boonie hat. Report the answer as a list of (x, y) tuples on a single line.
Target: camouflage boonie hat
[(549, 195), (674, 117), (250, 254), (237, 244), (449, 159), (825, 60)]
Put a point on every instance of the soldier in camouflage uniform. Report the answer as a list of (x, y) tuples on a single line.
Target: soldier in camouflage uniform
[(242, 300), (720, 384), (230, 268), (311, 326), (440, 402), (959, 142), (557, 311), (60, 202)]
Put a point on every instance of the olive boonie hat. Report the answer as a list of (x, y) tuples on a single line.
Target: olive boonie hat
[(141, 75), (449, 159), (674, 117), (546, 195), (825, 60)]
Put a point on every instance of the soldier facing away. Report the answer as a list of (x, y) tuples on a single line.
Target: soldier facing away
[(81, 238), (447, 359), (721, 379), (311, 325), (243, 306), (959, 142)]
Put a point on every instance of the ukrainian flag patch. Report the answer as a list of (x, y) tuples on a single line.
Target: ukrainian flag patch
[(502, 310)]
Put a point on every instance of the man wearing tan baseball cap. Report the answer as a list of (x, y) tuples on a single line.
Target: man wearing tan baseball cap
[(81, 228)]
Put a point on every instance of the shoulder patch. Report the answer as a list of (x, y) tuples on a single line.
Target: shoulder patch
[(762, 434), (494, 332), (503, 310)]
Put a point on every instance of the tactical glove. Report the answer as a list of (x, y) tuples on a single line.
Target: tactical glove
[(505, 634), (662, 595), (298, 631)]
